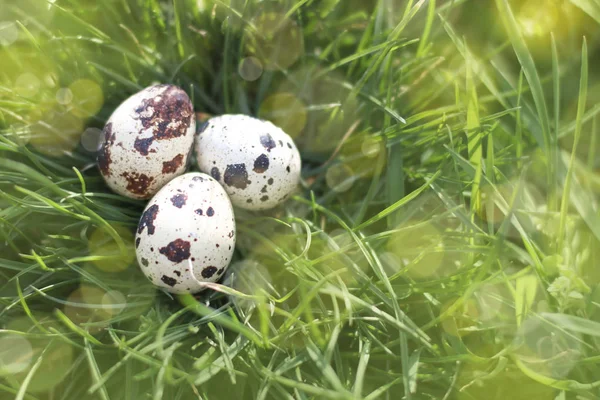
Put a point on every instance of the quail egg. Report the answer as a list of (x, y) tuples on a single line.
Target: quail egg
[(257, 163), (147, 141), (186, 234)]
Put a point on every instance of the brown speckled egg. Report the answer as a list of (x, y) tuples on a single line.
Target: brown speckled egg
[(186, 235), (147, 141), (257, 163)]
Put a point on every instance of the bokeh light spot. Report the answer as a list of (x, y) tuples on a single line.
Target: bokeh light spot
[(371, 147), (461, 319), (108, 257), (495, 202), (286, 111), (15, 354), (57, 356), (538, 18), (51, 80), (390, 262), (9, 33), (341, 238), (490, 302), (477, 381), (56, 363), (113, 302), (250, 69), (365, 154), (546, 349), (27, 85), (88, 98), (55, 132), (84, 306), (91, 139), (277, 41), (340, 178), (248, 277), (419, 247), (21, 133), (64, 96)]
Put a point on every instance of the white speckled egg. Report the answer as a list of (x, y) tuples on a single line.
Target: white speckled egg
[(257, 163), (186, 234), (147, 141)]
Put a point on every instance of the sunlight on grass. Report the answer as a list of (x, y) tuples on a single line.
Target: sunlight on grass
[(538, 18), (442, 243)]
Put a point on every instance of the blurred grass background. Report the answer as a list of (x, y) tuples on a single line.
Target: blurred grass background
[(443, 244)]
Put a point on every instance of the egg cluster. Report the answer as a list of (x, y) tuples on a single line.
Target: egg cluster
[(186, 235)]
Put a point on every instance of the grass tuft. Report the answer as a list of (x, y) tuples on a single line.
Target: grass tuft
[(442, 245)]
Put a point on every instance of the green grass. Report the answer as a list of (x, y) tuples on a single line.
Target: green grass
[(443, 244)]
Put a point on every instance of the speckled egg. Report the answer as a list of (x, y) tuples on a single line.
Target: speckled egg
[(186, 234), (147, 141), (257, 163)]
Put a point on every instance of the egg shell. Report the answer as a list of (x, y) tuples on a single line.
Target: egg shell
[(186, 234), (147, 141), (257, 163)]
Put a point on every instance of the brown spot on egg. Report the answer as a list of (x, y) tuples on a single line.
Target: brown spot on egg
[(176, 251), (143, 145), (179, 200), (270, 181), (208, 272), (267, 142), (264, 189), (109, 135), (169, 113), (147, 220), (137, 242), (178, 273), (261, 164), (104, 159), (145, 262), (264, 198), (137, 183), (215, 173), (210, 212), (168, 280), (231, 234), (170, 167), (236, 176), (198, 211)]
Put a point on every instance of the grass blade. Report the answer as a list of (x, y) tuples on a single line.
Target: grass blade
[(529, 69), (583, 89), (95, 371), (591, 7)]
